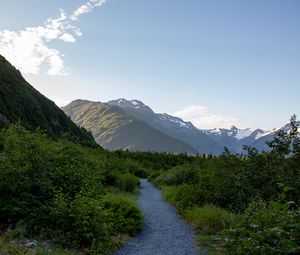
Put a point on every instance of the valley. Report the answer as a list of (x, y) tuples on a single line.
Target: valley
[(87, 187), (149, 127)]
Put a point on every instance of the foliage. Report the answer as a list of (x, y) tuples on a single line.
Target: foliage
[(19, 101), (210, 219), (127, 182), (58, 190), (265, 228), (71, 194), (10, 248), (246, 186), (81, 223), (123, 215)]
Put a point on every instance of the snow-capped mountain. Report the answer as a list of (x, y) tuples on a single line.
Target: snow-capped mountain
[(235, 138), (177, 122), (232, 132), (141, 111), (260, 143), (173, 126), (182, 132), (131, 104)]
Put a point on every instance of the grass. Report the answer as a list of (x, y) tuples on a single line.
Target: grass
[(169, 193), (16, 247), (209, 219), (8, 248)]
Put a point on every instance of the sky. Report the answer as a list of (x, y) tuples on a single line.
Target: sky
[(213, 62)]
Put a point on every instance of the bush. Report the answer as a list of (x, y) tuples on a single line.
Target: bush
[(81, 223), (137, 170), (188, 196), (265, 228), (185, 174), (54, 188), (210, 219), (10, 248), (123, 216), (127, 182), (170, 193)]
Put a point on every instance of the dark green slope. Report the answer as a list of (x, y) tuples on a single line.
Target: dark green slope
[(20, 102), (113, 129)]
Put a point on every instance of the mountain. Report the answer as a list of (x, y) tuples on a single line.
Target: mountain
[(260, 143), (170, 125), (20, 102), (114, 129), (235, 139)]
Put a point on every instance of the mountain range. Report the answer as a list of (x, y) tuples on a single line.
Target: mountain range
[(132, 125), (114, 129), (117, 124)]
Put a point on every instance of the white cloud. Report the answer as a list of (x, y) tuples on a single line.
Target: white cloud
[(68, 38), (28, 49), (85, 8), (202, 118)]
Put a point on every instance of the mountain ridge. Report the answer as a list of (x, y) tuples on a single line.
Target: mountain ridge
[(172, 126), (207, 141), (20, 102), (113, 129)]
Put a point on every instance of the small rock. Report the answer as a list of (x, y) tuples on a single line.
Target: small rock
[(31, 244)]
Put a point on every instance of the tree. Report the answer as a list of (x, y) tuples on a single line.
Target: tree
[(286, 142)]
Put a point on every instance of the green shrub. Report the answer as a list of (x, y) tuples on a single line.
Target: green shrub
[(127, 182), (10, 248), (110, 177), (137, 170), (265, 228), (16, 233), (81, 223), (188, 196), (170, 193), (185, 174), (210, 219), (123, 216), (152, 175)]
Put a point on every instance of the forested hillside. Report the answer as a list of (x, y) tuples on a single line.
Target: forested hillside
[(20, 102)]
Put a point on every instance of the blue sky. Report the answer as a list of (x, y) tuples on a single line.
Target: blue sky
[(214, 62)]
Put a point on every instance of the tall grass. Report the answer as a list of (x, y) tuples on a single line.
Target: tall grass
[(210, 219)]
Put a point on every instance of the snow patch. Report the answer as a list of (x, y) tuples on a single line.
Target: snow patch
[(243, 133), (175, 120), (134, 102)]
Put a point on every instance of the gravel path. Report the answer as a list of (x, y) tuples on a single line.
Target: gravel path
[(164, 233)]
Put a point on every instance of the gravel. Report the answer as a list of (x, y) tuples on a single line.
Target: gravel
[(164, 232)]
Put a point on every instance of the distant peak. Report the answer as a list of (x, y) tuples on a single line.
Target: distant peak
[(126, 101), (131, 104), (137, 102)]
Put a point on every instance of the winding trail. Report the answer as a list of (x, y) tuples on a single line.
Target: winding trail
[(164, 233)]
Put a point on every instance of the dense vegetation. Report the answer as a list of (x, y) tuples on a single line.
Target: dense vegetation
[(82, 199), (241, 204), (20, 102), (78, 197)]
